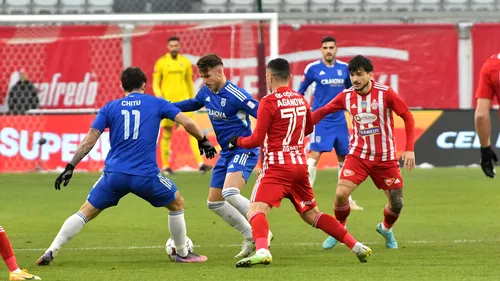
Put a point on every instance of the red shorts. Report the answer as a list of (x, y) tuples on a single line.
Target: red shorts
[(385, 174), (284, 181)]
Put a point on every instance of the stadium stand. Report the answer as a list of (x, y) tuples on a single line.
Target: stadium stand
[(242, 6)]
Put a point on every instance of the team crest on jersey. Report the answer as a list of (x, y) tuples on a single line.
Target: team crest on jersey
[(374, 104), (223, 102), (389, 181), (347, 173), (339, 72)]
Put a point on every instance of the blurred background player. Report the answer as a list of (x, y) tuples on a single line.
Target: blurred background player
[(372, 148), (130, 165), (488, 88), (331, 78), (284, 121), (173, 81), (9, 258), (229, 109)]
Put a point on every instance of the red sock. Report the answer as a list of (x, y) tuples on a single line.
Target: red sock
[(389, 217), (7, 252), (332, 227), (260, 230), (342, 212)]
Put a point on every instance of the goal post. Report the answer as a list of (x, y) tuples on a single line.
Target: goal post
[(73, 62)]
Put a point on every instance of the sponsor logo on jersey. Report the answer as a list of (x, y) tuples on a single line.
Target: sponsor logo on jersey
[(251, 104), (365, 118), (207, 99), (322, 72), (307, 203), (369, 131), (347, 173), (216, 114), (223, 102), (333, 81)]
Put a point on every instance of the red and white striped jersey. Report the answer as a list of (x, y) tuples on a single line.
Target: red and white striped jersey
[(372, 137), (283, 121)]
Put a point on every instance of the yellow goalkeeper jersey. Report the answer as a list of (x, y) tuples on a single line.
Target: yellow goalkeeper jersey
[(172, 78)]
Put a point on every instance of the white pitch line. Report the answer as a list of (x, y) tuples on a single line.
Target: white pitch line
[(463, 241)]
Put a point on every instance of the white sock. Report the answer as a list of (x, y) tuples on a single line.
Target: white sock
[(177, 228), (232, 216), (311, 168), (385, 228), (70, 228), (357, 247), (17, 271), (232, 196)]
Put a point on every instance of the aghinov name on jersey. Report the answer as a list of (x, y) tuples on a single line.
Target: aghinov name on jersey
[(290, 102)]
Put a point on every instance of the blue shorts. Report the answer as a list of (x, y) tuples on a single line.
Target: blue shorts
[(111, 187), (240, 160), (328, 135)]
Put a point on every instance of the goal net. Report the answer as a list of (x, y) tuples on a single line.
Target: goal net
[(56, 72)]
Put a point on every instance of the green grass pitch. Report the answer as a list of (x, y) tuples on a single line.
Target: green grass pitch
[(449, 230)]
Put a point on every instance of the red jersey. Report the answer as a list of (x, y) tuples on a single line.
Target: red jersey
[(489, 79), (373, 126), (283, 122)]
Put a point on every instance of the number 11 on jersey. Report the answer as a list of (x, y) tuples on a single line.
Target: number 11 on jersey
[(126, 123)]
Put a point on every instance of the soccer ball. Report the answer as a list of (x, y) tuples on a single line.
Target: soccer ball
[(170, 247)]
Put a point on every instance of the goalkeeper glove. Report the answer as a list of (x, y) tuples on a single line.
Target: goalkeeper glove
[(488, 161), (206, 147), (233, 142), (64, 176)]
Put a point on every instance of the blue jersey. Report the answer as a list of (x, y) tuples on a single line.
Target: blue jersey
[(134, 123), (330, 81), (228, 110)]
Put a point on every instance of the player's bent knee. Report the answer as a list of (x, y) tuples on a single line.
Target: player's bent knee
[(177, 204), (310, 215), (89, 210)]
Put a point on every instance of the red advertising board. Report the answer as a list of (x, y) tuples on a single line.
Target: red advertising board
[(410, 58)]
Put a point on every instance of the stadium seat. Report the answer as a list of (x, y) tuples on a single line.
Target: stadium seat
[(17, 6), (349, 5), (321, 6), (483, 5), (271, 5), (376, 5), (215, 6), (295, 6), (428, 5), (456, 5), (72, 6), (402, 5), (100, 6), (45, 6), (241, 8)]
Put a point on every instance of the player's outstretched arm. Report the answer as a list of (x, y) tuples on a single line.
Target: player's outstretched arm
[(188, 105), (337, 104), (265, 113), (203, 144), (82, 150)]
